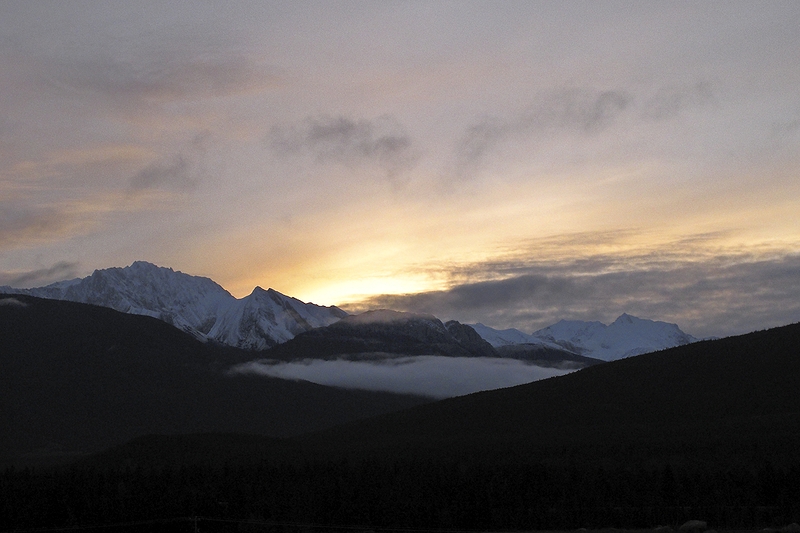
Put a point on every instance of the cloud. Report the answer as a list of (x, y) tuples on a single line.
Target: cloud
[(160, 76), (25, 225), (718, 296), (669, 102), (12, 302), (340, 139), (174, 172), (573, 111), (434, 376), (182, 172), (43, 276), (581, 111)]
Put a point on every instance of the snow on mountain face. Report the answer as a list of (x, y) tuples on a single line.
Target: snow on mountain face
[(625, 337), (269, 315), (510, 337), (195, 304)]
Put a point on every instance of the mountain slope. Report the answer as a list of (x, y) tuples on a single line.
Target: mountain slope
[(194, 304), (78, 378), (706, 431), (705, 399)]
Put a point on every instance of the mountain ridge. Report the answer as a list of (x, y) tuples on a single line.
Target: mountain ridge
[(266, 318), (624, 337), (194, 304), (77, 378)]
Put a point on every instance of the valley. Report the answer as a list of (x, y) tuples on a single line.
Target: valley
[(93, 398)]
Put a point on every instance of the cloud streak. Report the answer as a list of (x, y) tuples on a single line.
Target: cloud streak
[(159, 77), (43, 276), (583, 112), (718, 296), (344, 140), (31, 224), (433, 376)]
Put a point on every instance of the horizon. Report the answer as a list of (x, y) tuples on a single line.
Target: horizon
[(498, 329), (510, 164)]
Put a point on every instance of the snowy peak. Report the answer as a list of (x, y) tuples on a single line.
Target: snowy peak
[(626, 336), (194, 304), (510, 337), (265, 318)]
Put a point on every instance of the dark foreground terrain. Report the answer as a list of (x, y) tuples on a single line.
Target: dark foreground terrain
[(707, 431)]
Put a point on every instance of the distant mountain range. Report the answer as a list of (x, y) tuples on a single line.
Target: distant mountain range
[(193, 304), (625, 337), (267, 318), (703, 431)]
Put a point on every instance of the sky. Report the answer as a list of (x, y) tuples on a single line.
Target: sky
[(510, 163)]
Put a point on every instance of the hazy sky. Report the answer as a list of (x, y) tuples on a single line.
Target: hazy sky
[(512, 163)]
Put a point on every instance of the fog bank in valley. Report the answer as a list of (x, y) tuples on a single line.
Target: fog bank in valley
[(427, 375)]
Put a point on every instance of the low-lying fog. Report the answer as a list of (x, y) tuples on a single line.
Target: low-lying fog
[(428, 375)]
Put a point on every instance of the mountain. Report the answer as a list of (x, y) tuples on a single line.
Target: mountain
[(704, 431), (509, 337), (385, 332), (703, 401), (197, 305), (625, 337), (77, 378)]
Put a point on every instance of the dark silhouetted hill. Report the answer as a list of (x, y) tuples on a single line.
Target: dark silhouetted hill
[(706, 431), (732, 397), (79, 378)]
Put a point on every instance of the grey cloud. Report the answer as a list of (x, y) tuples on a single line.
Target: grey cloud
[(159, 77), (182, 172), (174, 173), (719, 296), (577, 112), (480, 138), (341, 139), (785, 130), (434, 376), (580, 111), (19, 225), (43, 276), (588, 111), (669, 102)]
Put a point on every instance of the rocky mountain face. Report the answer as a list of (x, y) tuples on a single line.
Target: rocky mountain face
[(194, 304)]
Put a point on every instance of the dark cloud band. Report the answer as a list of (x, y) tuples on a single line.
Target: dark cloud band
[(719, 296)]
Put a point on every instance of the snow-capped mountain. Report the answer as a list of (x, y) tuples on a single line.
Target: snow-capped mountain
[(195, 304), (625, 337), (511, 337)]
